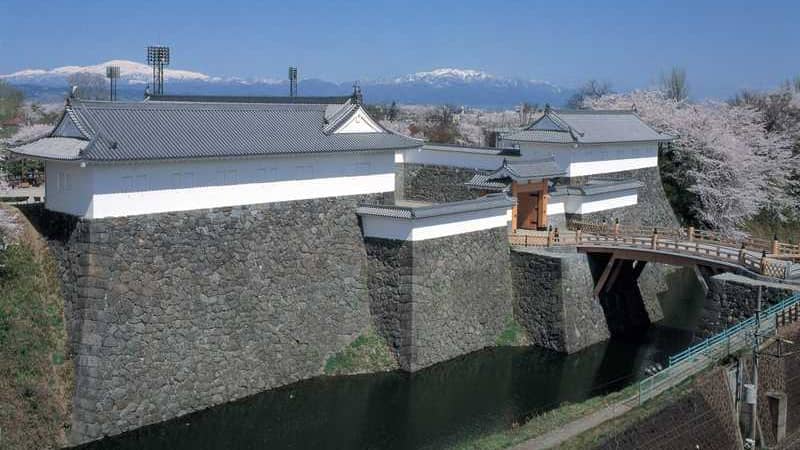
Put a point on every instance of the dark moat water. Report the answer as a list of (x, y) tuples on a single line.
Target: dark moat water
[(436, 408)]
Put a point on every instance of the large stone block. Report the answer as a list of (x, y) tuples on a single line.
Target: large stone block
[(180, 311), (454, 298), (434, 183), (553, 299)]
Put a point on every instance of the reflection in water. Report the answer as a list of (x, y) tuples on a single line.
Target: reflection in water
[(479, 393)]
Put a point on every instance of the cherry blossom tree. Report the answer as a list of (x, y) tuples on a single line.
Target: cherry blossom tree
[(722, 157), (29, 133)]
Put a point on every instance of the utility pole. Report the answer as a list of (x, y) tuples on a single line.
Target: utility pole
[(754, 418)]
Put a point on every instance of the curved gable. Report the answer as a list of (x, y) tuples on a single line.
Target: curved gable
[(360, 122)]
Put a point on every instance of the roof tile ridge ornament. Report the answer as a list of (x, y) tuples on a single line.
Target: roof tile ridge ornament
[(74, 116), (358, 97), (347, 111), (574, 132)]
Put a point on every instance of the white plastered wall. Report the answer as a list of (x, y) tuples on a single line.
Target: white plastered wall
[(68, 188), (585, 204), (449, 159), (125, 189), (434, 227), (594, 159)]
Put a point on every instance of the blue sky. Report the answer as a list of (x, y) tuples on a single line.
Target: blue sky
[(724, 45)]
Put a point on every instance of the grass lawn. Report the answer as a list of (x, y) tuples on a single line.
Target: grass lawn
[(35, 374), (545, 422), (613, 427)]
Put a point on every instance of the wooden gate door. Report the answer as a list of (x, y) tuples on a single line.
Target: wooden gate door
[(528, 210)]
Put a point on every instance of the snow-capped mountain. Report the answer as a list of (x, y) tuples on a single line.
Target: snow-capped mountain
[(445, 75), (131, 72), (445, 85)]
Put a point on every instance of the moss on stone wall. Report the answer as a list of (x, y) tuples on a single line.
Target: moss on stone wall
[(368, 353), (513, 335), (36, 376)]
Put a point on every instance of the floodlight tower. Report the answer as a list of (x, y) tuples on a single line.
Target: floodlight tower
[(158, 58), (112, 73), (292, 81)]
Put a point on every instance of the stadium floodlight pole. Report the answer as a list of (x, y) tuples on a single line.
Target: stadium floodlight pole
[(158, 58), (112, 73)]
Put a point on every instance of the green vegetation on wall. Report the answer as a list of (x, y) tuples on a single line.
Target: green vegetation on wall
[(513, 335), (368, 353), (35, 376)]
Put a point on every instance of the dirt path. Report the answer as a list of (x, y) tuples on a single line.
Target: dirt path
[(572, 429)]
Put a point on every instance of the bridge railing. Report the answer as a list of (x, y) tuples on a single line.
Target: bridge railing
[(697, 357), (762, 264), (774, 248), (682, 240)]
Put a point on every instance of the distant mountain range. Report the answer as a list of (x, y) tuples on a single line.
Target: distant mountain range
[(440, 86)]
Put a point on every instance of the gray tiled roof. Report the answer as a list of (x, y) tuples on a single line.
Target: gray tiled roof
[(588, 127), (491, 151), (418, 212), (154, 130), (599, 186), (482, 182), (61, 148), (333, 100), (527, 170), (556, 137)]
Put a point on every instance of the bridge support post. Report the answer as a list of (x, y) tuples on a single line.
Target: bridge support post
[(638, 269), (654, 240), (775, 248), (601, 282), (691, 234)]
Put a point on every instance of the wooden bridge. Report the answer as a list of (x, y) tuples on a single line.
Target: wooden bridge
[(636, 247)]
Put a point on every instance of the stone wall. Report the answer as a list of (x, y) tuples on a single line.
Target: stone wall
[(433, 183), (653, 208), (701, 418), (733, 298), (440, 298), (553, 299), (171, 313)]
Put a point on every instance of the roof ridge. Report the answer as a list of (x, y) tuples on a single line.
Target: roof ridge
[(77, 118), (594, 111)]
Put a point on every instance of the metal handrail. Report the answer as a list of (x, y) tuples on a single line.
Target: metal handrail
[(695, 358)]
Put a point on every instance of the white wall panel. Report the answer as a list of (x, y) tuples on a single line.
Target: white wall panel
[(68, 188), (124, 189), (450, 159), (434, 227)]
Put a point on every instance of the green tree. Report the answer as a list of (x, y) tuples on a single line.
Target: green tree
[(90, 86), (674, 84), (393, 111), (10, 101), (591, 90), (440, 125)]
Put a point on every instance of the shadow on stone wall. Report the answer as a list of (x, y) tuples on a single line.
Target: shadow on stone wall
[(622, 301)]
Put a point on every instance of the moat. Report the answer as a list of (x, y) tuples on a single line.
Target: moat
[(438, 407)]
